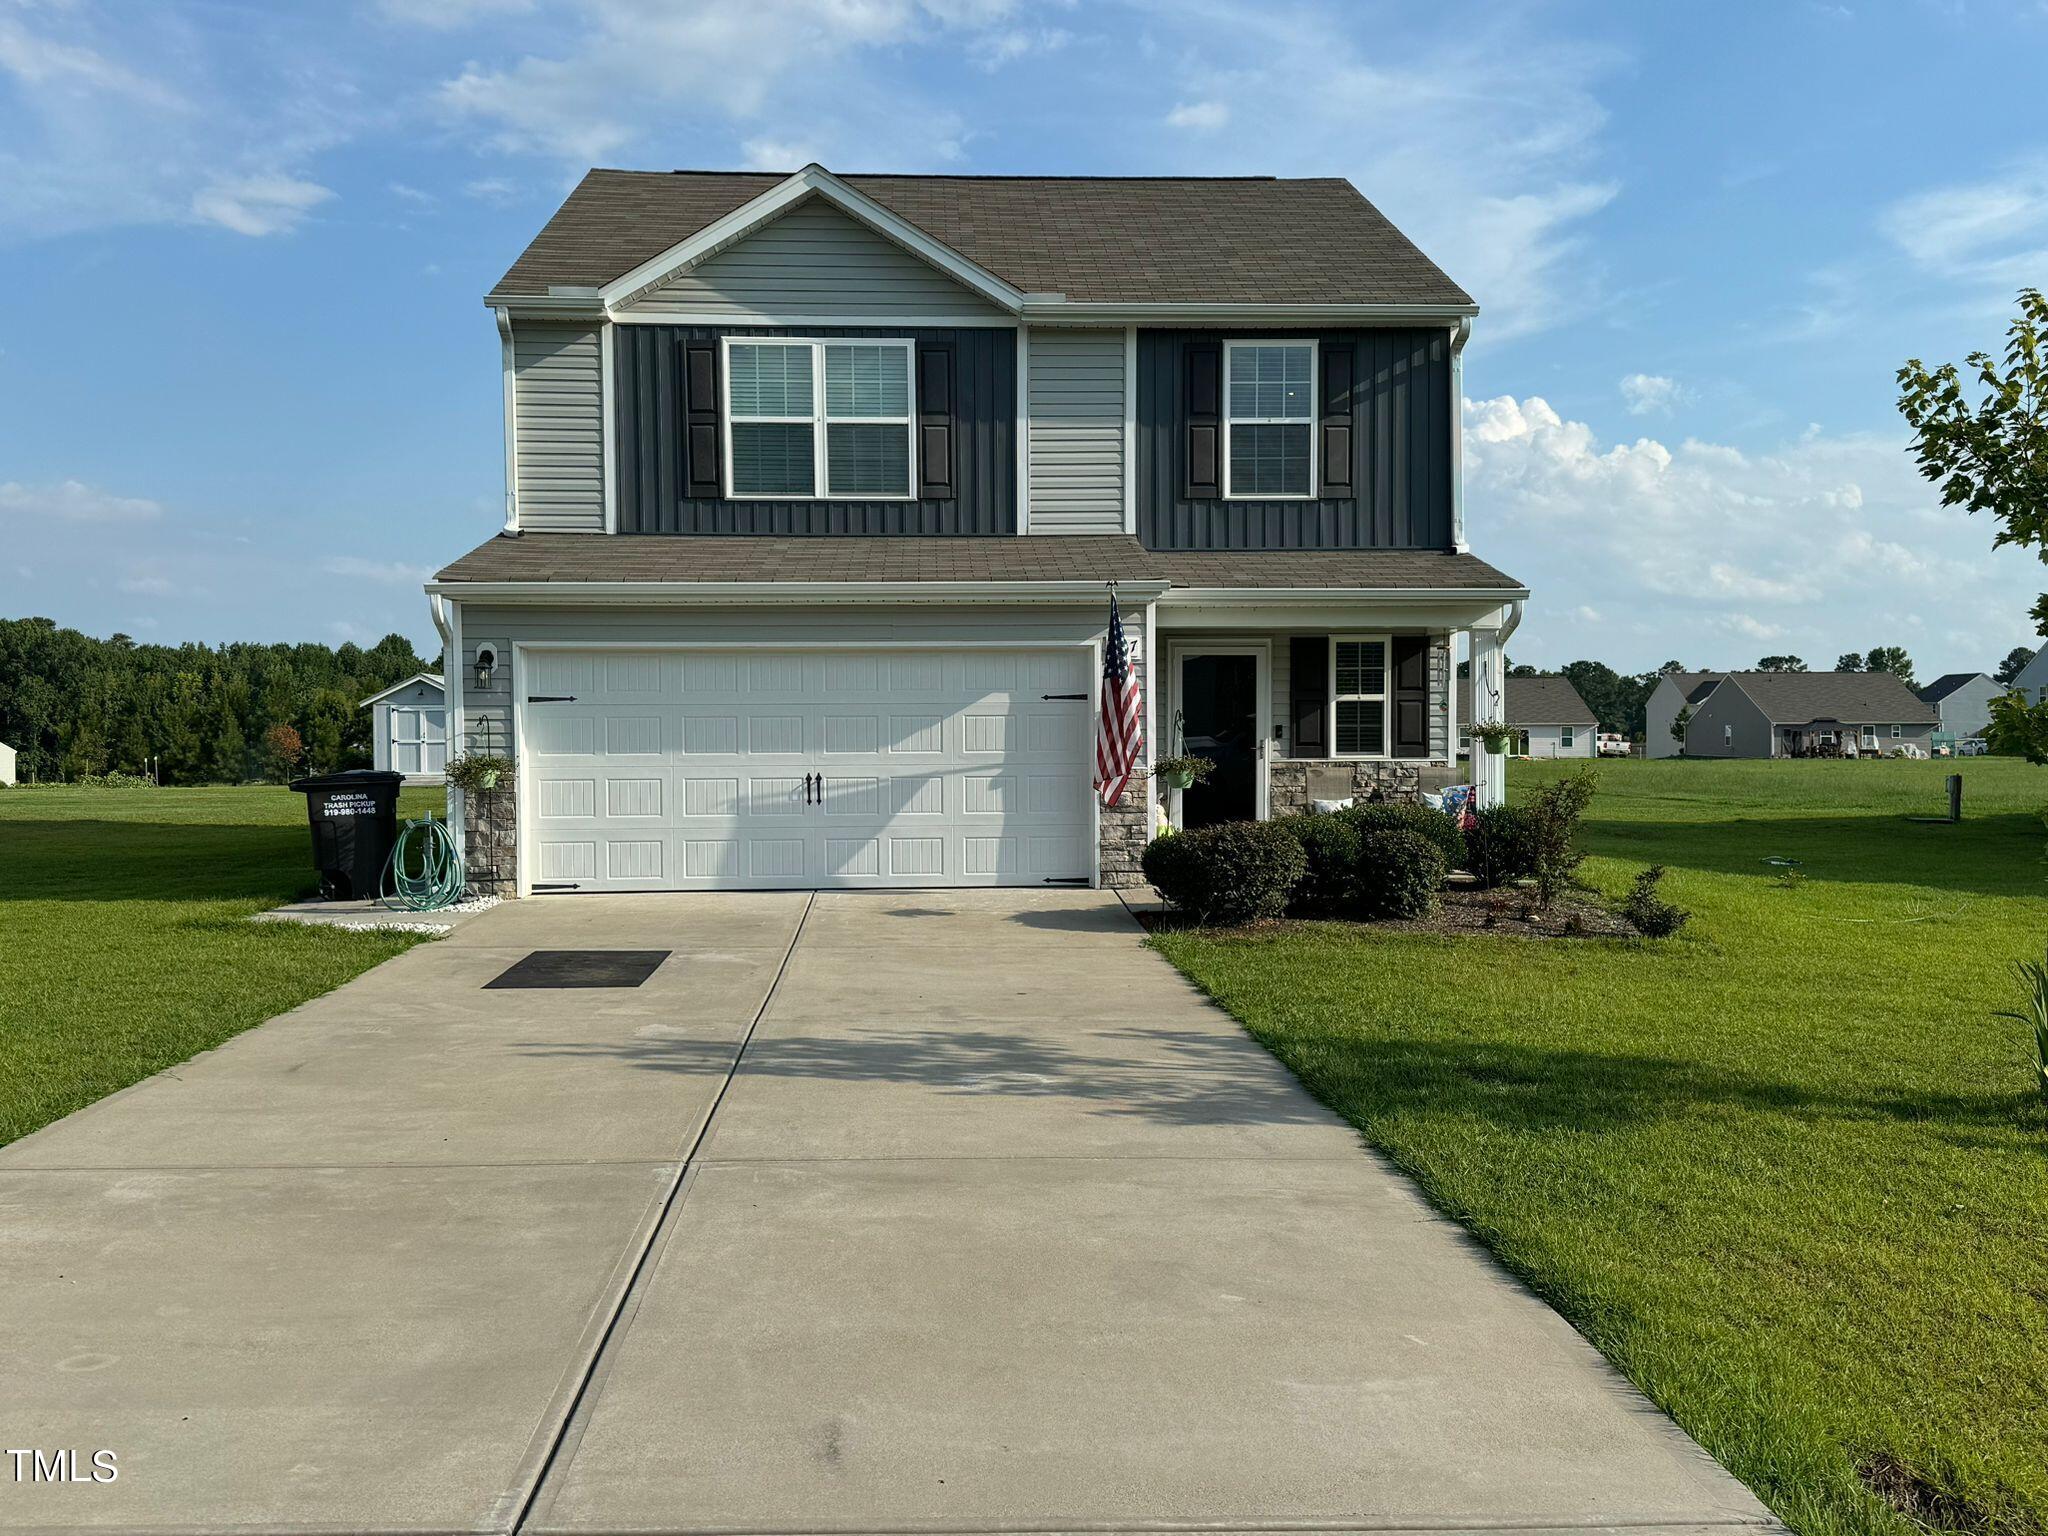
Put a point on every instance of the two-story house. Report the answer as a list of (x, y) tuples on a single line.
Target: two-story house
[(817, 489)]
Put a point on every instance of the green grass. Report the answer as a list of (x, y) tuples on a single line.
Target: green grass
[(1786, 1170), (124, 941)]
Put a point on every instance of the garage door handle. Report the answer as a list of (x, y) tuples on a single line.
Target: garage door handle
[(551, 698), (1063, 695)]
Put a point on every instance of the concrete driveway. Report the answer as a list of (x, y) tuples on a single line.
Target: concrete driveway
[(866, 1212)]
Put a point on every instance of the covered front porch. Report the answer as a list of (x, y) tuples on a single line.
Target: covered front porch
[(1300, 698)]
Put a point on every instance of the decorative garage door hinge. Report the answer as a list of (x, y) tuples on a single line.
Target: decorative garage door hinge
[(551, 698), (1063, 695), (1049, 880), (571, 886)]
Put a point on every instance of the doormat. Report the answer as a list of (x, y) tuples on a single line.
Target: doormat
[(580, 968)]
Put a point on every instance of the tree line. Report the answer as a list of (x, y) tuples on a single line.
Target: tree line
[(75, 707), (1619, 700)]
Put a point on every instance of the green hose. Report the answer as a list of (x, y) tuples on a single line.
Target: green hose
[(428, 845)]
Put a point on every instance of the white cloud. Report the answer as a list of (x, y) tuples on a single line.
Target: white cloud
[(499, 191), (1993, 231), (992, 50), (447, 15), (145, 584), (411, 194), (1647, 394), (1823, 542), (1586, 614), (395, 572), (258, 205), (73, 501), (1202, 115)]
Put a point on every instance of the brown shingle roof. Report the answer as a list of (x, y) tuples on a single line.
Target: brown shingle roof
[(1252, 240), (656, 557), (1849, 698), (1534, 701)]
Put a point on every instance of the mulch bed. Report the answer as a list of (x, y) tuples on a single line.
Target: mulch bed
[(1465, 910)]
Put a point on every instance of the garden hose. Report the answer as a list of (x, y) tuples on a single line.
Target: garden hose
[(427, 844)]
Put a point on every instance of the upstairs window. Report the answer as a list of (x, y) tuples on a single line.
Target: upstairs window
[(1358, 695), (813, 419), (1269, 419)]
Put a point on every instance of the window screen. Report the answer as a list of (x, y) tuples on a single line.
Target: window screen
[(1269, 408)]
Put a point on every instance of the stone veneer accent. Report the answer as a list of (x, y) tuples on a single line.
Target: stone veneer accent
[(1126, 827), (1295, 783), (490, 839)]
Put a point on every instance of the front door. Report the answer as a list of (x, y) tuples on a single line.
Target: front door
[(1219, 708)]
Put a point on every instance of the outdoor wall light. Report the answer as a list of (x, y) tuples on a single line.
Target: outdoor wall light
[(486, 664)]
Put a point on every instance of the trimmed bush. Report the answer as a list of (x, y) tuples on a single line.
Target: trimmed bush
[(1404, 816), (1238, 872), (1649, 913), (1329, 844), (1500, 845), (1553, 812), (1398, 874)]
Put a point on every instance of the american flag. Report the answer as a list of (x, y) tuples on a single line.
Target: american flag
[(1120, 729)]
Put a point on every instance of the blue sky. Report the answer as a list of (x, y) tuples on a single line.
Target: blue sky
[(248, 389)]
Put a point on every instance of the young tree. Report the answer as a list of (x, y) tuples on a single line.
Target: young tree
[(2019, 728), (1679, 722), (1849, 661), (2015, 662), (1781, 664), (1991, 456), (1892, 659), (282, 751)]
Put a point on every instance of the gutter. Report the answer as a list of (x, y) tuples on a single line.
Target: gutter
[(1460, 334), (794, 592), (1258, 595)]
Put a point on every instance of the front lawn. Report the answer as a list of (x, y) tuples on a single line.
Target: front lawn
[(1785, 1170), (124, 944)]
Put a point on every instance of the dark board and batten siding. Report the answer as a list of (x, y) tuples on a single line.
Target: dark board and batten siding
[(1400, 495), (653, 415)]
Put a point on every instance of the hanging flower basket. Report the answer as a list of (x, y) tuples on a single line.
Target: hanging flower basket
[(1182, 772), (1492, 734), (477, 773)]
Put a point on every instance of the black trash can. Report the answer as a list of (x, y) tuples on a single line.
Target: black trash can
[(355, 821)]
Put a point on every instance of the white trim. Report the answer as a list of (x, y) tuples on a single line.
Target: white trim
[(1094, 718), (778, 319), (511, 422), (607, 352), (435, 678), (1460, 333), (1315, 370), (1130, 457), (820, 421), (812, 180), (1384, 698), (1155, 679), (1264, 595), (1023, 429), (452, 666), (1178, 651), (1039, 306)]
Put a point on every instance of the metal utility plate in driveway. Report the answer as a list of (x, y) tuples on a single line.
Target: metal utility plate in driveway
[(580, 968)]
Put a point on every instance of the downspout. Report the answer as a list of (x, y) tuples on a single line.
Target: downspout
[(1460, 334), (511, 421)]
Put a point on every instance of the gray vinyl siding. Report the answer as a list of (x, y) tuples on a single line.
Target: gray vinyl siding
[(815, 260), (1401, 433), (1967, 711), (652, 475), (558, 427), (1075, 435), (1727, 723), (1665, 701)]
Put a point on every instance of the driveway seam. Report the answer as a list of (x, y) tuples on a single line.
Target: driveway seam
[(650, 1243)]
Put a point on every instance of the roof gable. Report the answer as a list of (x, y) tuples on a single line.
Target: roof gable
[(1108, 240), (1547, 700), (431, 679), (1948, 683)]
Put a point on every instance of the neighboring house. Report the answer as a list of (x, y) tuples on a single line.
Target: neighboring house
[(6, 763), (1675, 691), (409, 728), (1546, 714), (1962, 700), (1790, 714), (817, 488), (2031, 682)]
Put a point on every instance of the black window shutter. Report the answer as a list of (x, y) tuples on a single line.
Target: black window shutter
[(700, 419), (1202, 412), (935, 423), (1340, 366), (1411, 696), (1308, 671)]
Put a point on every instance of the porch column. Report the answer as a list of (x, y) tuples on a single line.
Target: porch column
[(1489, 694)]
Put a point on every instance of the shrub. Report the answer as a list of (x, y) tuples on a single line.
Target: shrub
[(1398, 874), (1554, 812), (2034, 1015), (1329, 848), (1234, 873), (115, 780), (1500, 845), (1398, 816), (1647, 912)]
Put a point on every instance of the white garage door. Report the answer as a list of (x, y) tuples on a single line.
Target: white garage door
[(702, 770)]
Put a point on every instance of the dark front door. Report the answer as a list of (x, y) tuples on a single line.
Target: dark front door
[(1219, 705)]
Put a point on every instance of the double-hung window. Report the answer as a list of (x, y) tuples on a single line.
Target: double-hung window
[(1358, 695), (1269, 419), (1566, 736), (816, 419)]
